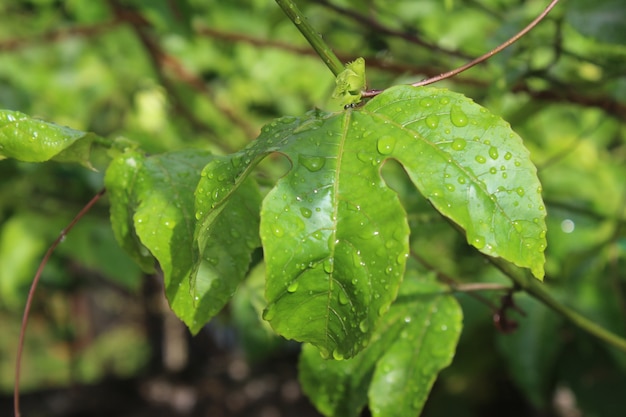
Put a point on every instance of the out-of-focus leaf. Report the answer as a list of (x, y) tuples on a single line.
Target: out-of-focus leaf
[(415, 340), (532, 349), (152, 211), (32, 140), (600, 19)]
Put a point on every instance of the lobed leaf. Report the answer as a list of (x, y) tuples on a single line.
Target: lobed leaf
[(395, 373), (335, 236), (152, 212), (31, 140)]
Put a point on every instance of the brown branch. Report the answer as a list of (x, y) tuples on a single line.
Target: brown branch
[(480, 59), (58, 35), (31, 295), (161, 60), (607, 104)]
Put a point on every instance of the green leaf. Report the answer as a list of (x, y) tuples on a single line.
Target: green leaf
[(152, 209), (469, 163), (395, 373), (31, 140), (335, 237), (120, 179)]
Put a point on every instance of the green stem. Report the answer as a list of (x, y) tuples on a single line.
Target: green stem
[(314, 38), (538, 291)]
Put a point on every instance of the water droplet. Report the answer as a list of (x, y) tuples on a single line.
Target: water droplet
[(478, 242), (520, 191), (293, 287), (459, 144), (493, 170), (444, 100), (343, 298), (508, 156), (364, 326), (461, 180), (401, 259), (480, 159), (278, 231), (432, 121), (427, 102), (329, 265), (337, 355), (382, 310), (364, 156), (493, 152), (450, 187), (385, 145), (297, 20), (306, 212), (269, 313), (312, 163), (458, 116)]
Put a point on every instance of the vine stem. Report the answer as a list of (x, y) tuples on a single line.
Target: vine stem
[(31, 295), (452, 73), (311, 35), (538, 291)]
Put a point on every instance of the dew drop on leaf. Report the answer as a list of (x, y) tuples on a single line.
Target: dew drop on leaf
[(343, 298), (458, 116), (432, 121), (293, 287), (312, 163), (328, 266), (459, 144), (385, 145), (338, 356), (269, 313), (278, 231), (364, 326), (480, 159), (478, 242), (508, 156), (493, 152), (306, 212), (427, 102), (364, 156)]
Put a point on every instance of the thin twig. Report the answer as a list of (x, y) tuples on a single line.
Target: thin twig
[(531, 25), (31, 295), (538, 291), (57, 35)]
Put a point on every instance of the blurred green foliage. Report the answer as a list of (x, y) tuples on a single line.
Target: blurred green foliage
[(207, 75)]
